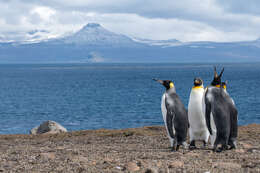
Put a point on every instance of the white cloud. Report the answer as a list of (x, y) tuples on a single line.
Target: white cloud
[(45, 13), (186, 20)]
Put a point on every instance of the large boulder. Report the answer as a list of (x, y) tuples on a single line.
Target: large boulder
[(48, 127)]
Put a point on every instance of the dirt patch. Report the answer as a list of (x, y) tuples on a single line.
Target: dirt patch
[(129, 150)]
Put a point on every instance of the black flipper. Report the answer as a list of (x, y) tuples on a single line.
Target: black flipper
[(207, 113), (169, 120), (233, 130), (233, 118)]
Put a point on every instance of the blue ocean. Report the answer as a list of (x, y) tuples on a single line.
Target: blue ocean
[(112, 96)]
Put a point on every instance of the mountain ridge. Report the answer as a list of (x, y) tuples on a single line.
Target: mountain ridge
[(94, 43)]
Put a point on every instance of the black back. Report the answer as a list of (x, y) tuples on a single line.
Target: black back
[(176, 114), (224, 113)]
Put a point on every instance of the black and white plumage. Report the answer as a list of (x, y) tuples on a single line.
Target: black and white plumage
[(224, 113), (198, 130), (174, 115)]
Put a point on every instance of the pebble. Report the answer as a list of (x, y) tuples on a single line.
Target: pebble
[(132, 166), (246, 146), (253, 150), (176, 164), (48, 155), (226, 165), (240, 151)]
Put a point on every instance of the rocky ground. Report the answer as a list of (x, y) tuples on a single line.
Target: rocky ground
[(130, 150)]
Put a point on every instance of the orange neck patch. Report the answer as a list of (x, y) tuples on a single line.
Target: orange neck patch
[(197, 87)]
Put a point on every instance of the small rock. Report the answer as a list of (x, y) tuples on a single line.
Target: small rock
[(60, 148), (132, 166), (253, 150), (159, 164), (50, 127), (226, 165), (240, 150), (246, 146), (120, 168), (48, 155), (192, 154), (176, 164)]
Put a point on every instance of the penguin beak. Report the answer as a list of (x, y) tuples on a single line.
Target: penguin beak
[(160, 81)]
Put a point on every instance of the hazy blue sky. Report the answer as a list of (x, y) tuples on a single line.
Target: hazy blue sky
[(185, 20)]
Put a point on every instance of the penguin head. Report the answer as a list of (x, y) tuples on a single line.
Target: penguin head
[(224, 85), (198, 82), (217, 78), (166, 83)]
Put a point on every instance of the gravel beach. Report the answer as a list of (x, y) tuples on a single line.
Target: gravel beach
[(129, 150)]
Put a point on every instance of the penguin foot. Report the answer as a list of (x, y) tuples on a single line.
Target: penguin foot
[(233, 145), (220, 149), (224, 147), (173, 149), (177, 148), (217, 150), (192, 147), (204, 144)]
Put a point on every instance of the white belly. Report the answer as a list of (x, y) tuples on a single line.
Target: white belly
[(198, 129), (164, 113)]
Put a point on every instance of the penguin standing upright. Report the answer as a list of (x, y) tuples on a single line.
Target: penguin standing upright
[(198, 130), (233, 133), (224, 113), (175, 116)]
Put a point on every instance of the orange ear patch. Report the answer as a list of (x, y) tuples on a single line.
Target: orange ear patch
[(171, 85)]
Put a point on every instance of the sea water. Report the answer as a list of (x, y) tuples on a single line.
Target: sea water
[(113, 96)]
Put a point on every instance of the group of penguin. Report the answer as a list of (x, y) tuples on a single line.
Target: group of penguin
[(211, 114)]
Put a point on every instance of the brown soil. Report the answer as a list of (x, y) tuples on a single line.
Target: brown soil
[(130, 150)]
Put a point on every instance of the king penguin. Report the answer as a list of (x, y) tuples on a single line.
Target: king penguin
[(175, 116), (198, 130), (233, 134), (224, 114)]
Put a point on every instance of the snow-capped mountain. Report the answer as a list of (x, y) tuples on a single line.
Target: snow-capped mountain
[(94, 43), (96, 35)]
